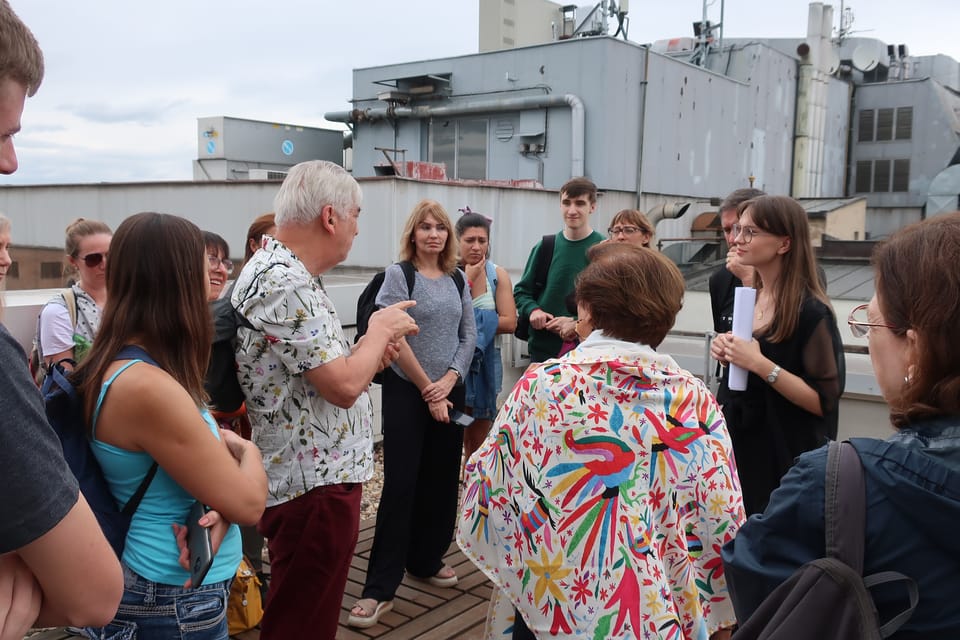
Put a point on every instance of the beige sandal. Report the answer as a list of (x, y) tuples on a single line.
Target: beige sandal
[(371, 614), (444, 582)]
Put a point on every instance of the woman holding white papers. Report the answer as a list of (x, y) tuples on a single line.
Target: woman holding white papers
[(795, 358)]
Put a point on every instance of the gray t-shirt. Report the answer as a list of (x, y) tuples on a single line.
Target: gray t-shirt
[(448, 332), (38, 488)]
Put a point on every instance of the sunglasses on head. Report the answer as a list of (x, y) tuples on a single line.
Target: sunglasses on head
[(94, 259)]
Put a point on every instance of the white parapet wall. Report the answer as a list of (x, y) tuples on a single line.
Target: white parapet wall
[(862, 411)]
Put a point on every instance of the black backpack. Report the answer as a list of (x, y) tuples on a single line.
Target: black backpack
[(829, 597), (540, 272), (64, 408), (367, 302)]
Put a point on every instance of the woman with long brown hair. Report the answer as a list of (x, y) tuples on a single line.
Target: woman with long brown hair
[(911, 489), (795, 357), (143, 417), (421, 446)]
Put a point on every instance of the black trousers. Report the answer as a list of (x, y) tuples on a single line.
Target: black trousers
[(421, 482), (520, 629)]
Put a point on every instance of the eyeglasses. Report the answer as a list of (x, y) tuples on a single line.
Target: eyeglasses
[(626, 230), (94, 259), (748, 233), (215, 262), (861, 328)]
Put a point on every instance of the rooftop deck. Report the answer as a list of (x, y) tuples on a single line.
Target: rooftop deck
[(420, 610)]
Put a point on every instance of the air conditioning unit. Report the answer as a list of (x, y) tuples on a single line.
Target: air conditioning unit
[(265, 174)]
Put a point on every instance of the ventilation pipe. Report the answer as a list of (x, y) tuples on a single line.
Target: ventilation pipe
[(482, 106), (811, 108), (667, 211)]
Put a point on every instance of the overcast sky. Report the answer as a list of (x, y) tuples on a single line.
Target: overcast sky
[(126, 80)]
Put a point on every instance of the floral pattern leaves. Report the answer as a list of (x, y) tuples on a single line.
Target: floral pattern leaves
[(601, 498), (306, 441)]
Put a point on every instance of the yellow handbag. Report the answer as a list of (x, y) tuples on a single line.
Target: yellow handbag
[(244, 607)]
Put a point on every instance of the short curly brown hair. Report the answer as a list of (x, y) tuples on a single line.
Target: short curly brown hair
[(631, 293)]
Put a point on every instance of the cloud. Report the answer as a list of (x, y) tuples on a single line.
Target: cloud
[(104, 113)]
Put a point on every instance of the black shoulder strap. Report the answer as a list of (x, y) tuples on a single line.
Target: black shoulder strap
[(457, 276), (409, 273), (133, 352), (544, 257), (846, 541), (844, 508)]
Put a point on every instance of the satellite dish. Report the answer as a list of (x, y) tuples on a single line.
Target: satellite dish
[(864, 59), (833, 62)]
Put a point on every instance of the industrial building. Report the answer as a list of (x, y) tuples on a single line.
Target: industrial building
[(690, 118)]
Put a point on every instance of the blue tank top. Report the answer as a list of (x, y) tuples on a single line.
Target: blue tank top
[(151, 549)]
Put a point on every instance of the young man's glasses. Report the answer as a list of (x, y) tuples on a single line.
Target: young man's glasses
[(215, 262), (748, 233), (626, 230), (860, 328), (94, 259)]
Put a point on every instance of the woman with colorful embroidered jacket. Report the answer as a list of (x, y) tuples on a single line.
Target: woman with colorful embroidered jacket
[(599, 502), (69, 322), (141, 415)]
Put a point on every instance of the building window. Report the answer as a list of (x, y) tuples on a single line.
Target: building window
[(443, 144), (51, 270), (882, 176), (864, 171), (904, 124), (884, 125), (901, 175), (865, 127), (462, 146)]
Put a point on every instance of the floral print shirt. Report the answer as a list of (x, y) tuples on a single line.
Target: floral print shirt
[(306, 441), (600, 500)]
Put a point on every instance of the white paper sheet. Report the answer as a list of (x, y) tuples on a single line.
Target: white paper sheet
[(744, 299)]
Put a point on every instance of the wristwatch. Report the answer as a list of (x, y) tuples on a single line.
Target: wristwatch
[(772, 376), (459, 377)]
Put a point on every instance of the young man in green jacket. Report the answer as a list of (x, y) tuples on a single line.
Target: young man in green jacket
[(546, 304)]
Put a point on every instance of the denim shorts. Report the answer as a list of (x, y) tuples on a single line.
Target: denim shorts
[(152, 611)]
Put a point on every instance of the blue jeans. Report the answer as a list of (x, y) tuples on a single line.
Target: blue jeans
[(151, 611)]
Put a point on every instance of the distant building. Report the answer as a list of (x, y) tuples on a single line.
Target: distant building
[(239, 149), (686, 118)]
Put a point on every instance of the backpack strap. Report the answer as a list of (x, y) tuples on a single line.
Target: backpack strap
[(70, 299), (409, 274), (134, 354), (544, 258), (845, 505), (845, 526), (458, 280), (492, 278)]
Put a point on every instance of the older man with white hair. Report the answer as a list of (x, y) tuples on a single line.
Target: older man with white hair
[(306, 393)]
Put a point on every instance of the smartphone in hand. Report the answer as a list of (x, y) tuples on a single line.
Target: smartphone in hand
[(198, 542), (460, 418)]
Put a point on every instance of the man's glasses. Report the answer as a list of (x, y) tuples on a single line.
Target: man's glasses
[(626, 230), (94, 259), (215, 262), (748, 233), (861, 328)]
